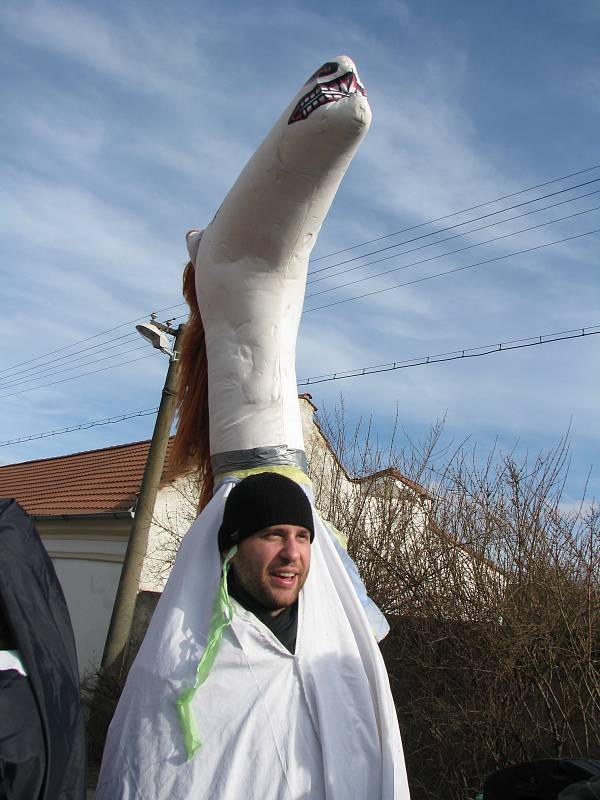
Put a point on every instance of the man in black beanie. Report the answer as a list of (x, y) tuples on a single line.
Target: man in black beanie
[(277, 691), (269, 518)]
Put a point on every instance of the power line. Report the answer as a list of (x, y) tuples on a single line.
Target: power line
[(452, 271), (89, 338), (83, 374), (352, 247), (76, 362), (349, 299), (456, 213), (451, 252), (102, 345), (471, 352), (454, 236), (69, 369), (339, 302), (74, 377), (130, 335), (81, 427), (457, 225), (419, 361), (351, 283), (23, 377)]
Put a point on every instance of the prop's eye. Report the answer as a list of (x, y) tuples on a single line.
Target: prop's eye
[(328, 68)]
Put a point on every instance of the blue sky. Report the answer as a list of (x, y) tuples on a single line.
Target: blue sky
[(124, 125)]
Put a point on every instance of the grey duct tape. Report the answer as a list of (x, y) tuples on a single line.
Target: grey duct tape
[(278, 456)]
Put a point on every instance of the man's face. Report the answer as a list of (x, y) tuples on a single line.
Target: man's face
[(273, 564)]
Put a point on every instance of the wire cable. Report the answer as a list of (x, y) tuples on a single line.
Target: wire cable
[(320, 258), (450, 252), (471, 352), (89, 338), (74, 377), (456, 213), (349, 299), (455, 236), (83, 374), (130, 335), (83, 426), (452, 271), (77, 362), (69, 369), (456, 225), (419, 361)]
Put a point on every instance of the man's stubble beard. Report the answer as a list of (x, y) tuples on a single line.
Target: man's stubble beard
[(256, 583)]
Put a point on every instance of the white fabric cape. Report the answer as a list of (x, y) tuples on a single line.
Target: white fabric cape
[(275, 726)]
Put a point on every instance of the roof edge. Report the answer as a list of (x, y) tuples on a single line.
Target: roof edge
[(90, 515), (79, 453)]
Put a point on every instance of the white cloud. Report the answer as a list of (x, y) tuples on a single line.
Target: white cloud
[(141, 52)]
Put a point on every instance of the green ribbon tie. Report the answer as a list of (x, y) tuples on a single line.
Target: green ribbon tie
[(222, 615)]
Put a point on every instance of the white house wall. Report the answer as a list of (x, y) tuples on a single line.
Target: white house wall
[(87, 556)]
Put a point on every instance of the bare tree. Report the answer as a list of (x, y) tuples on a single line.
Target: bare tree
[(170, 522), (492, 587)]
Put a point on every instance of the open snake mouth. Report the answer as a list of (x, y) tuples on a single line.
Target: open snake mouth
[(324, 93)]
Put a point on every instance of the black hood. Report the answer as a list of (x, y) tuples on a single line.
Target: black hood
[(36, 613)]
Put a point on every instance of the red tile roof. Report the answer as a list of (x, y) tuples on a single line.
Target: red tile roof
[(97, 481)]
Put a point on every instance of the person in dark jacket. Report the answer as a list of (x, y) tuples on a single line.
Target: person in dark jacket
[(582, 790), (42, 734)]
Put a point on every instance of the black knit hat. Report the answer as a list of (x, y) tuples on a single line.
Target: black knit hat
[(261, 501)]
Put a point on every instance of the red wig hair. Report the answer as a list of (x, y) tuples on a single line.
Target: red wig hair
[(191, 449)]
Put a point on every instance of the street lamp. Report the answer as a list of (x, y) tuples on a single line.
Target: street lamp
[(156, 333)]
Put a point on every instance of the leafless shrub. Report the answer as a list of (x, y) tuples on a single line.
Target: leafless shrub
[(169, 525), (492, 589)]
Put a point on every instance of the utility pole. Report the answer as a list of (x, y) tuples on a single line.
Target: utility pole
[(122, 614)]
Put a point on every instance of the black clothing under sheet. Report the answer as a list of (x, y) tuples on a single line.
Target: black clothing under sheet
[(7, 639), (22, 746)]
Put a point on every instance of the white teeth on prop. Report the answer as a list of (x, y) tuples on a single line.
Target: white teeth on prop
[(327, 92)]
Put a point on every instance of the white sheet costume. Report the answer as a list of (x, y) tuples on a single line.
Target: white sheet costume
[(319, 723)]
